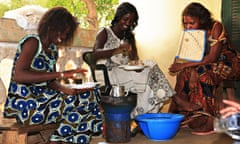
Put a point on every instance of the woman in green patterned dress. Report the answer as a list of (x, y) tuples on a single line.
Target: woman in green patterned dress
[(35, 95)]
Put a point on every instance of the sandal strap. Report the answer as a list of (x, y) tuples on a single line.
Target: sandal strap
[(195, 115), (203, 113)]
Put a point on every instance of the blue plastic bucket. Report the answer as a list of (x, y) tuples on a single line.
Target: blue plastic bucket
[(117, 127), (159, 126)]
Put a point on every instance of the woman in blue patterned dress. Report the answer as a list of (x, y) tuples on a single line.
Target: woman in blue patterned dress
[(35, 95)]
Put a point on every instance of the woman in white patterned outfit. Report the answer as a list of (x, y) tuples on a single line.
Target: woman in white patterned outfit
[(150, 84)]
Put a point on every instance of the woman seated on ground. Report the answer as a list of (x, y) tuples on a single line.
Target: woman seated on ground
[(35, 95), (197, 81), (150, 83)]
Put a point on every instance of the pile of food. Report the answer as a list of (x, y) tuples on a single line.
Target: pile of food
[(136, 63)]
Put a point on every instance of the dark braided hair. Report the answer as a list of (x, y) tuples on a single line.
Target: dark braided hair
[(123, 9), (199, 11), (58, 19)]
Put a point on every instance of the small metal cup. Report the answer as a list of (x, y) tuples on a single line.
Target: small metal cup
[(117, 91)]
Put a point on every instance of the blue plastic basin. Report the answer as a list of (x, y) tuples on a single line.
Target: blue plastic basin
[(159, 126)]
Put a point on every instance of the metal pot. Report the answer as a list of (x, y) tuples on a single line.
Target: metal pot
[(118, 91)]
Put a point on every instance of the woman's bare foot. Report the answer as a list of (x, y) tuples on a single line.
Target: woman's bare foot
[(203, 133), (205, 128)]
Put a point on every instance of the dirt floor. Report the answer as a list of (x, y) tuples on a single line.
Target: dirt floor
[(184, 136)]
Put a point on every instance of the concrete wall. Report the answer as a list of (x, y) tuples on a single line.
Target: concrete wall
[(159, 28)]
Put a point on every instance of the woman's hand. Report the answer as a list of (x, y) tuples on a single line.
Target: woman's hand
[(72, 73), (125, 47), (65, 89), (72, 91), (233, 107), (176, 67)]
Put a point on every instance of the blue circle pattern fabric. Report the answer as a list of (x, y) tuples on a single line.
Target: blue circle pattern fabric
[(78, 115)]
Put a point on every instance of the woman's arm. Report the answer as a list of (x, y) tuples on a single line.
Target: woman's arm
[(133, 54), (23, 72), (211, 57), (57, 86)]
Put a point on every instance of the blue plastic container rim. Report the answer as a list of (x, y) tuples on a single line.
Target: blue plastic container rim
[(160, 117), (117, 117)]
